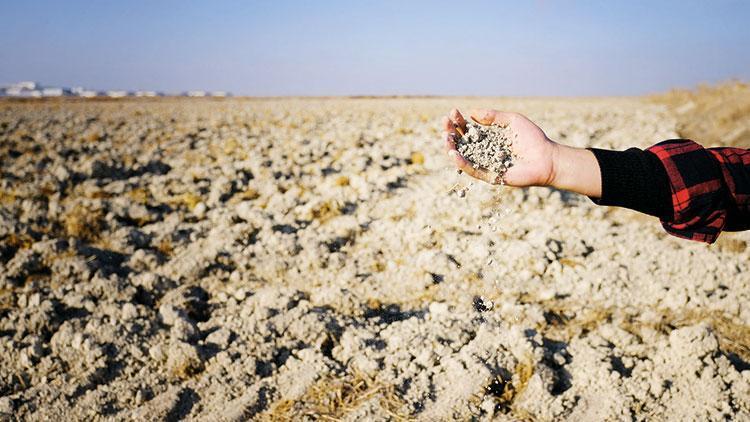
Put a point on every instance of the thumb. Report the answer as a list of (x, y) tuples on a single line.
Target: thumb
[(490, 117), (482, 116)]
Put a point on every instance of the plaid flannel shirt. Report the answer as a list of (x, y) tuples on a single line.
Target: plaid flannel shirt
[(696, 192)]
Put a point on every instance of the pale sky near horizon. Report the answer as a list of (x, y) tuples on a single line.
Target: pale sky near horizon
[(269, 48)]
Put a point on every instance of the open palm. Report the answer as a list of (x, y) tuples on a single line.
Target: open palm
[(533, 151)]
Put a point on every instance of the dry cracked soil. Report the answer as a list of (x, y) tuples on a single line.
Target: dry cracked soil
[(309, 259)]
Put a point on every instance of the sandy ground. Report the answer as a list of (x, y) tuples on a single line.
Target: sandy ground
[(303, 259)]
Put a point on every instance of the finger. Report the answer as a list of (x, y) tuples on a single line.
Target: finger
[(490, 117), (482, 174), (450, 142), (448, 125), (476, 172), (458, 119)]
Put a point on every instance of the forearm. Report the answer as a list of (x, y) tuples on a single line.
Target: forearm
[(576, 170), (633, 179)]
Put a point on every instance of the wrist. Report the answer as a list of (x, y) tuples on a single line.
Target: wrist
[(576, 170)]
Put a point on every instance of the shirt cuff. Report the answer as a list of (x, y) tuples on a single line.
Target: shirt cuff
[(634, 179)]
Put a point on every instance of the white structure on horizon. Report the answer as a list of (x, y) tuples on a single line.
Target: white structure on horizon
[(26, 85), (88, 93), (117, 94), (23, 89), (147, 94), (55, 92), (29, 89), (80, 91)]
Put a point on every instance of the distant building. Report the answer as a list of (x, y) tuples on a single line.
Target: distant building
[(29, 89), (26, 85), (89, 93), (117, 94), (22, 90), (55, 92), (147, 94)]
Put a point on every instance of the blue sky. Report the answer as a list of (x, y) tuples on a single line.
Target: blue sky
[(377, 47)]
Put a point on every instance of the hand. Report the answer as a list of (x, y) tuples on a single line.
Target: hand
[(533, 151), (537, 160)]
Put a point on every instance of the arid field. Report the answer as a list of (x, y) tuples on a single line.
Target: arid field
[(310, 259)]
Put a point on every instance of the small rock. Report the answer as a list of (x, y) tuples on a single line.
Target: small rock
[(168, 313), (559, 358), (129, 311), (61, 173), (240, 295), (139, 397), (36, 349), (183, 330), (156, 352), (6, 406), (77, 341), (488, 406), (438, 308), (25, 360), (200, 210), (482, 305), (160, 407), (220, 337), (183, 360), (245, 210)]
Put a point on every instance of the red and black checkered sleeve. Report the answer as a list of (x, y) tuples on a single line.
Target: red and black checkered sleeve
[(696, 192)]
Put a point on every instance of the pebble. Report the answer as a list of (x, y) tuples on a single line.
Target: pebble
[(156, 352), (183, 360), (240, 294), (183, 330), (220, 337), (129, 312), (200, 210), (438, 308), (481, 304), (6, 406), (168, 313)]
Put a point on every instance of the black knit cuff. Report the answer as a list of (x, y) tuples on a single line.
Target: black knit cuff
[(634, 179)]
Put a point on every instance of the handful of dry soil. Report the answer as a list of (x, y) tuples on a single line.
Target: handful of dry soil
[(488, 147)]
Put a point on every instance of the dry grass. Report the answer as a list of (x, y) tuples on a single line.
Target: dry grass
[(712, 115), (249, 194), (83, 223), (417, 158), (139, 195), (8, 197), (342, 181), (734, 337), (190, 200), (522, 373), (568, 321), (20, 241), (331, 399), (326, 210), (166, 247), (92, 135)]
